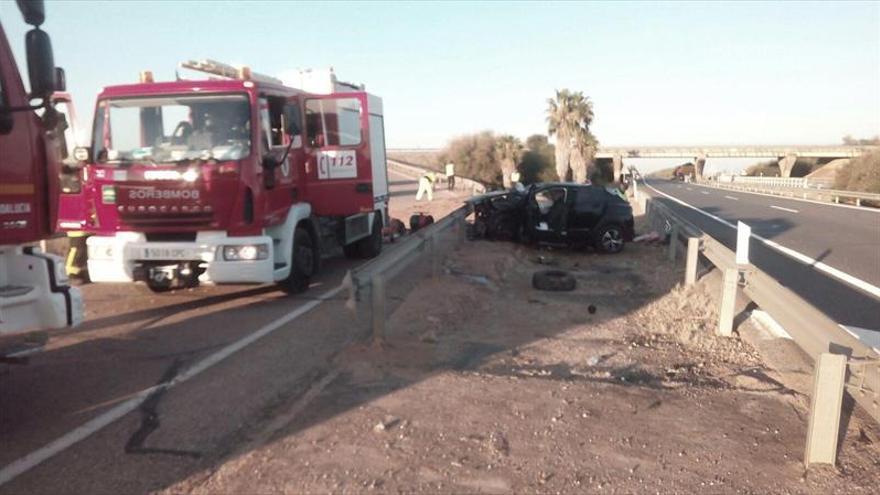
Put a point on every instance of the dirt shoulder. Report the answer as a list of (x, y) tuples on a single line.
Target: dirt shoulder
[(490, 386)]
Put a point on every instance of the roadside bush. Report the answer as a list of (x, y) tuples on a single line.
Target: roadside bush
[(474, 157), (538, 163), (860, 174)]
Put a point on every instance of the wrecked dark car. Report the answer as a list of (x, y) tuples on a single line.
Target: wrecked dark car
[(555, 213)]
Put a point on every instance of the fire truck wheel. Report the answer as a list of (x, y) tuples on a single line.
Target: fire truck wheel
[(371, 246), (303, 260)]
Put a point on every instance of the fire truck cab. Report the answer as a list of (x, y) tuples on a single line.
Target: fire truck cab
[(233, 179), (34, 293)]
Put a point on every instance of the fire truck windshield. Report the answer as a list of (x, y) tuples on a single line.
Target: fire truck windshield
[(167, 129)]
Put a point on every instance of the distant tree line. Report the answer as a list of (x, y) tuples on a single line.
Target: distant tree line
[(491, 158), (850, 141)]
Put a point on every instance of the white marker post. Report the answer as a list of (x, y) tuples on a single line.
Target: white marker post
[(743, 235)]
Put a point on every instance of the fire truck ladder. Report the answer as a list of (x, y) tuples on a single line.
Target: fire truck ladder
[(215, 68)]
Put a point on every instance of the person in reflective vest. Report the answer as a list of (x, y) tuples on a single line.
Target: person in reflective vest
[(450, 176), (426, 185)]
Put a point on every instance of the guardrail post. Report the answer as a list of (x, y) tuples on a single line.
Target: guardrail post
[(690, 270), (858, 201), (825, 405), (728, 302), (377, 292), (837, 199), (673, 242)]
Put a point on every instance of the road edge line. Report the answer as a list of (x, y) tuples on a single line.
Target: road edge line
[(791, 253), (791, 198), (98, 423)]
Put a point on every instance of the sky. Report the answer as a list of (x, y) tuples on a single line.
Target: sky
[(657, 73)]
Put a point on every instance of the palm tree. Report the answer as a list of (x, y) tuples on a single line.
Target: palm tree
[(508, 150), (569, 116)]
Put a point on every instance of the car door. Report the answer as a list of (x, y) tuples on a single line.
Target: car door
[(549, 214), (586, 213)]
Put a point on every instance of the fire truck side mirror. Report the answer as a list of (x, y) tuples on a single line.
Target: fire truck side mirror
[(82, 153), (33, 11), (60, 79), (7, 121), (270, 163), (293, 129), (41, 64)]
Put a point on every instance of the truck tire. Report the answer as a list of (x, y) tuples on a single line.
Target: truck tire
[(609, 239), (371, 246), (352, 251), (554, 280), (158, 287), (302, 263)]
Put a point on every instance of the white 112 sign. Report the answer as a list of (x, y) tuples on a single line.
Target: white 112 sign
[(337, 164)]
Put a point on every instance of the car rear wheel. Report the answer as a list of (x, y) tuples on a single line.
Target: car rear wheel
[(610, 239)]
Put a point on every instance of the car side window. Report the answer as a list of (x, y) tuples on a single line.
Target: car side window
[(589, 199)]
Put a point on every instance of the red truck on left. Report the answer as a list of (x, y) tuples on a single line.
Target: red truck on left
[(34, 292)]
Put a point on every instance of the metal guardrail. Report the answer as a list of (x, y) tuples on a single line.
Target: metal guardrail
[(830, 195), (461, 183), (811, 329), (369, 282)]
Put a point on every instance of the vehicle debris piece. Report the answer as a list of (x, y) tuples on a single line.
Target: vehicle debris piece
[(419, 221), (395, 229), (553, 280)]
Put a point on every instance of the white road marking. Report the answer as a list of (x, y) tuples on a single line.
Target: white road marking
[(834, 272), (791, 210), (705, 192), (731, 197), (690, 189), (802, 200), (31, 460)]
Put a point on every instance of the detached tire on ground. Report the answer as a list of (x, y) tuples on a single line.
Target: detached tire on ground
[(554, 280)]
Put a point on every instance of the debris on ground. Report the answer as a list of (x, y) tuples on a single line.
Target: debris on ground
[(520, 391)]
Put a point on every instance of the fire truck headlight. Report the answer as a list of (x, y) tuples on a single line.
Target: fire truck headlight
[(247, 252)]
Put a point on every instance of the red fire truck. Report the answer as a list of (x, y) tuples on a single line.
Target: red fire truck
[(34, 293), (235, 178)]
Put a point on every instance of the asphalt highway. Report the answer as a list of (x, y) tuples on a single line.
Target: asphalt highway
[(838, 270), (74, 420)]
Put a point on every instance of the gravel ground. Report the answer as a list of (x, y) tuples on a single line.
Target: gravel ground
[(486, 385)]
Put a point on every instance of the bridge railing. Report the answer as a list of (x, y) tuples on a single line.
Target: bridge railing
[(811, 330)]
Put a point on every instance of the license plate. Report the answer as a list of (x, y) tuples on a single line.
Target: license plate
[(169, 254)]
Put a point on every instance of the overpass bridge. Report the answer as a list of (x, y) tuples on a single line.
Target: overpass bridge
[(785, 155)]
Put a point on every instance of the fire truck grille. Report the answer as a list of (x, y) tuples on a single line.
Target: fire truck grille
[(164, 220)]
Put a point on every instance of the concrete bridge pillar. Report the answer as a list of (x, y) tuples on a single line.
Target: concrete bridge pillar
[(699, 165), (786, 164), (618, 166)]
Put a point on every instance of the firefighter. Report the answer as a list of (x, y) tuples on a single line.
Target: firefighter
[(450, 176), (77, 255), (426, 185)]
